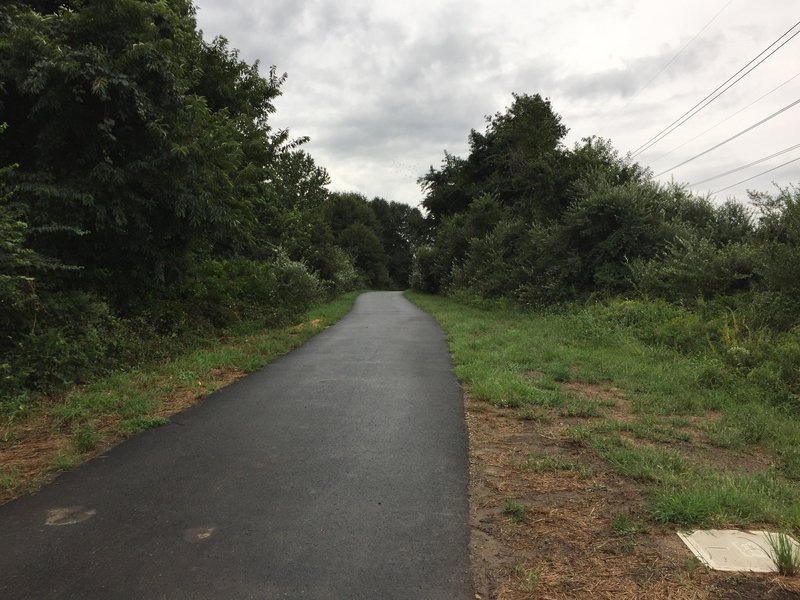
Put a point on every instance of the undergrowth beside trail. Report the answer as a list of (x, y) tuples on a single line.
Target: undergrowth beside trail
[(699, 410)]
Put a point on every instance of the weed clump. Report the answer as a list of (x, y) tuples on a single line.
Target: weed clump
[(785, 553), (514, 510)]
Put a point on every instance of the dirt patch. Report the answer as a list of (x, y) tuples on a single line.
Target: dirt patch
[(28, 448), (595, 391), (745, 588), (566, 545), (182, 397)]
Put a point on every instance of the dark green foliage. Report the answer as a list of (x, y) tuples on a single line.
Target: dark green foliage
[(400, 229), (100, 106), (695, 267), (150, 202), (424, 273), (18, 298), (523, 217), (778, 232), (378, 235), (364, 246), (224, 292), (516, 159), (494, 264)]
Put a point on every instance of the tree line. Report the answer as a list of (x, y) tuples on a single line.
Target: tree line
[(525, 218), (146, 199)]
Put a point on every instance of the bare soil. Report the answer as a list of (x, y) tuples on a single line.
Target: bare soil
[(566, 546)]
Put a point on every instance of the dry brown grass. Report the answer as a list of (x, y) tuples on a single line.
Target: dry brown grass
[(566, 547)]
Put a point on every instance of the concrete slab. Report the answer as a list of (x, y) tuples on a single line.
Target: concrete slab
[(731, 550)]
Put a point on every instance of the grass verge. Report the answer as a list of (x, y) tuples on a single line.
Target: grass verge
[(580, 420), (62, 432)]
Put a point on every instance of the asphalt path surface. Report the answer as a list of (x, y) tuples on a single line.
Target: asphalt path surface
[(338, 471)]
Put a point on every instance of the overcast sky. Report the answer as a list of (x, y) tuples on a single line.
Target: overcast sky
[(383, 88)]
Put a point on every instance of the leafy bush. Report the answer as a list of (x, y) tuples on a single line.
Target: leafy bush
[(226, 291), (695, 267), (345, 275), (493, 267), (424, 272), (296, 288), (73, 336)]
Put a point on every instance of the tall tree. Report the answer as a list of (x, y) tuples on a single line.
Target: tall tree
[(515, 159), (130, 128)]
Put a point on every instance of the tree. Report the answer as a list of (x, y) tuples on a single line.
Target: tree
[(364, 246), (343, 209), (515, 159), (128, 127), (400, 228)]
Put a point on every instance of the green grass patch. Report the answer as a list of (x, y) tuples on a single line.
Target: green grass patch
[(136, 425), (514, 510), (65, 461), (549, 463), (579, 407), (680, 389), (625, 526), (784, 553), (8, 479), (85, 437), (714, 499)]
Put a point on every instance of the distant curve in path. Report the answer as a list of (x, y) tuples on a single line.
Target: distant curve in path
[(339, 471)]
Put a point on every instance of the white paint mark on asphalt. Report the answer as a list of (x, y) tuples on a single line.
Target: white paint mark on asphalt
[(70, 515), (198, 534)]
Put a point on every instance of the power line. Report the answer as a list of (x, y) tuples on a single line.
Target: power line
[(683, 119), (755, 162), (733, 137), (674, 58), (728, 118), (788, 162), (711, 97)]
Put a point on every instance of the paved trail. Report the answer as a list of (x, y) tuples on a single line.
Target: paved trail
[(339, 471)]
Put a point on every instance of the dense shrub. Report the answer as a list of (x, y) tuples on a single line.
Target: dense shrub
[(494, 263), (227, 291), (695, 267), (72, 335), (424, 274), (345, 275)]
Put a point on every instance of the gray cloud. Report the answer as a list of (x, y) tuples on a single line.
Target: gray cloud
[(384, 88), (629, 79)]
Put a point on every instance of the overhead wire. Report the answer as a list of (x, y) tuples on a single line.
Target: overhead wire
[(675, 57), (751, 164), (733, 137), (788, 162), (711, 97), (728, 118)]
